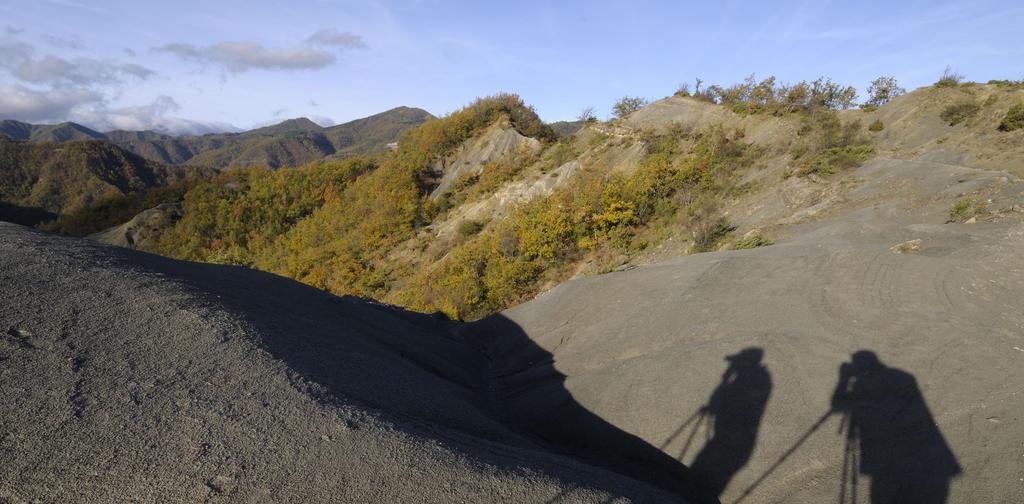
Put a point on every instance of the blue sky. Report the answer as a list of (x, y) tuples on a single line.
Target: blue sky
[(187, 66)]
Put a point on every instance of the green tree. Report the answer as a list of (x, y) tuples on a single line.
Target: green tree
[(587, 115), (627, 105), (882, 90), (829, 95)]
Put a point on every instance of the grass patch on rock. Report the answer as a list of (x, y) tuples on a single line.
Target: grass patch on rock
[(1014, 119), (959, 112)]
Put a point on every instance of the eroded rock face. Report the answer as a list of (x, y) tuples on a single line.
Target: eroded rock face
[(498, 140)]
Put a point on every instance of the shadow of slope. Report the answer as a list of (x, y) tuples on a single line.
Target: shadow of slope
[(525, 387), (407, 369), (351, 349), (27, 216)]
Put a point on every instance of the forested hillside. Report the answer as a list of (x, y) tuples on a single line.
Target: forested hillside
[(41, 181), (484, 208)]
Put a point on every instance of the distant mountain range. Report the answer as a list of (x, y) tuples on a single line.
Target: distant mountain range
[(62, 132), (53, 170), (290, 143)]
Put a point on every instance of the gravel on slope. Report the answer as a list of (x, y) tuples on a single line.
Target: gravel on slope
[(129, 377), (750, 366)]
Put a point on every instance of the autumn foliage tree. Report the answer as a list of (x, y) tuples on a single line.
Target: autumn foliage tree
[(882, 90)]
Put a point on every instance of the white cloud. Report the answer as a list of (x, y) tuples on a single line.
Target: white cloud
[(44, 87), (87, 108), (153, 116), (26, 104), (330, 37), (55, 89), (237, 57)]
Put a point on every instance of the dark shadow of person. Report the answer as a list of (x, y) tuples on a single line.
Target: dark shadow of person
[(528, 390), (735, 410), (900, 447)]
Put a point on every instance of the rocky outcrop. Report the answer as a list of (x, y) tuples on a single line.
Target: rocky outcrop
[(498, 140), (144, 230)]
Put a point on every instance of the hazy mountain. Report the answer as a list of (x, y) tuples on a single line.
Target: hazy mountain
[(290, 143), (298, 124), (373, 133), (63, 132), (16, 130), (165, 148)]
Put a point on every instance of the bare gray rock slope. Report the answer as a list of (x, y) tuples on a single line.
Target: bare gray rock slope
[(130, 377), (876, 350), (496, 141), (733, 362)]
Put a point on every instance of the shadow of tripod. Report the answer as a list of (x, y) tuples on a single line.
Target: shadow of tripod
[(700, 415), (890, 435), (731, 419), (850, 475)]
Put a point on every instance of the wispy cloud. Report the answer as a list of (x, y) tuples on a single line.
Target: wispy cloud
[(238, 57), (331, 37), (13, 54), (51, 88), (78, 71), (242, 56), (18, 58), (62, 42), (77, 5)]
